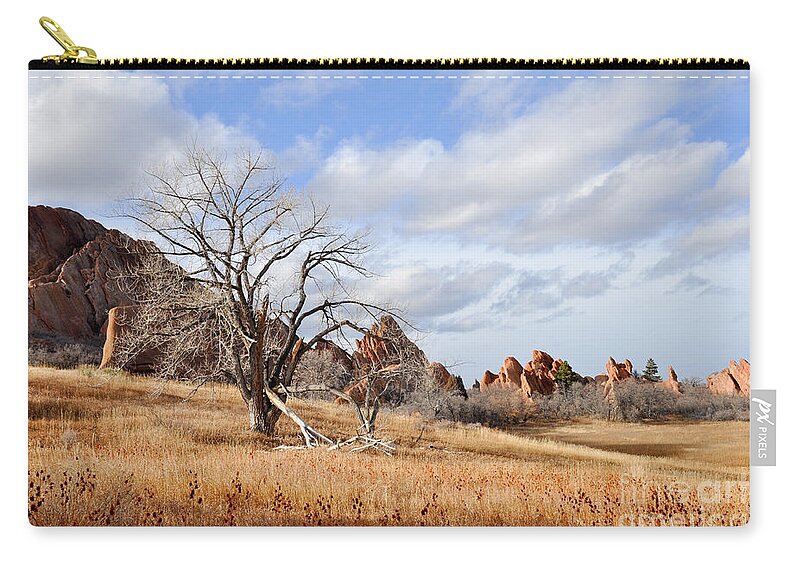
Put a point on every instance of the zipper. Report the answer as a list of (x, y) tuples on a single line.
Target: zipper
[(72, 53), (79, 57)]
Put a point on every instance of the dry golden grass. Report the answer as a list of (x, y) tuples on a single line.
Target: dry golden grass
[(109, 449), (724, 443)]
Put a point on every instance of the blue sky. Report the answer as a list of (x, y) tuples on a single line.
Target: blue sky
[(587, 214)]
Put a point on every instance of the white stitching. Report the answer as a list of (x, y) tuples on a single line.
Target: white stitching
[(390, 77)]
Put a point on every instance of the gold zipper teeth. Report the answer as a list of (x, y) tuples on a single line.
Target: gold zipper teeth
[(444, 63), (79, 57)]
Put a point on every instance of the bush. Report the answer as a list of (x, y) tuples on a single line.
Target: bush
[(638, 401), (317, 367), (581, 400), (645, 401), (699, 404), (495, 408), (64, 356)]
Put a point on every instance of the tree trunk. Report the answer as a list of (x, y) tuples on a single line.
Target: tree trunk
[(265, 407), (272, 415), (264, 414), (258, 417)]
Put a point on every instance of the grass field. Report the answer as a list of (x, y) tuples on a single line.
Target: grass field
[(723, 443), (108, 449)]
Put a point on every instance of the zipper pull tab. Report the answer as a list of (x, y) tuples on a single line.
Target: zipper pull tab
[(72, 52)]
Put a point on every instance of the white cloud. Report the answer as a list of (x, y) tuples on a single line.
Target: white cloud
[(635, 200), (301, 91), (592, 163), (712, 240), (731, 193), (359, 182), (305, 153), (490, 102), (427, 293), (90, 139)]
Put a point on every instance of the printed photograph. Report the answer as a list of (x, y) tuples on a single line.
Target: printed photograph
[(388, 297)]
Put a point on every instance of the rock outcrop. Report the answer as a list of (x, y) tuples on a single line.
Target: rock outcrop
[(672, 382), (54, 234), (615, 373), (444, 380), (119, 319), (488, 379), (336, 354), (733, 380), (536, 377), (509, 376), (71, 262), (510, 373), (386, 344), (387, 363), (539, 374)]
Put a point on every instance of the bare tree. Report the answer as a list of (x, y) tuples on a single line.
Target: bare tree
[(320, 367), (256, 265), (395, 368)]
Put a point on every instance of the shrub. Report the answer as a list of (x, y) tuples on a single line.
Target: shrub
[(700, 404), (64, 356), (496, 407), (637, 401), (581, 400), (644, 401), (320, 368)]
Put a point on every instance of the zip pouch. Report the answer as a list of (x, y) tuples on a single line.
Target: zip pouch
[(382, 292)]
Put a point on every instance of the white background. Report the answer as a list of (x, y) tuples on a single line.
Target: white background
[(764, 34)]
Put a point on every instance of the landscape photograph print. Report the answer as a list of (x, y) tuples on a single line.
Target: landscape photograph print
[(388, 298)]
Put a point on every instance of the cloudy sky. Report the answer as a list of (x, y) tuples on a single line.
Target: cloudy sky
[(586, 214)]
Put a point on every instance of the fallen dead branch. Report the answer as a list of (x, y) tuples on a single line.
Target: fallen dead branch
[(363, 442), (355, 444)]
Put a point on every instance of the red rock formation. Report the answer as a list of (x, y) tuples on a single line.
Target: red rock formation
[(385, 355), (488, 379), (741, 373), (510, 373), (445, 380), (54, 234), (733, 380), (384, 345), (69, 296), (335, 353), (615, 373), (672, 382), (618, 372), (119, 319), (537, 376)]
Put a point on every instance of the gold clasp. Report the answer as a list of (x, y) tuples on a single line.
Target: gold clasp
[(72, 52)]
